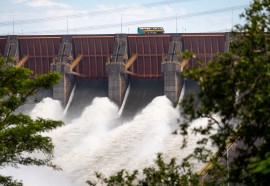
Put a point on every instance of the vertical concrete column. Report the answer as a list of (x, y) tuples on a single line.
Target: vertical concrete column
[(12, 49), (228, 39), (117, 82), (171, 69), (172, 80), (117, 77), (62, 90)]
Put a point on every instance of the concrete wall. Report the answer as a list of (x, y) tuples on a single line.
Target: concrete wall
[(62, 90), (171, 69), (117, 82), (12, 49), (172, 81), (117, 77)]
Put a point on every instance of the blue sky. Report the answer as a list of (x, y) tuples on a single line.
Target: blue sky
[(106, 16)]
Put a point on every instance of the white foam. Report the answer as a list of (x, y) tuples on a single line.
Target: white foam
[(124, 101), (69, 100), (96, 141), (48, 109)]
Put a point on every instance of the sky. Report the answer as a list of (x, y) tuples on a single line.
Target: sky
[(50, 17)]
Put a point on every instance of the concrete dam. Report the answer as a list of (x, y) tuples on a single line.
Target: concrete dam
[(106, 65), (129, 69)]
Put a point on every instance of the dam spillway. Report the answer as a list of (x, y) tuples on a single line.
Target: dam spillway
[(91, 143), (104, 65)]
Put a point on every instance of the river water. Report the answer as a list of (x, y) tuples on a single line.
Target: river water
[(99, 141)]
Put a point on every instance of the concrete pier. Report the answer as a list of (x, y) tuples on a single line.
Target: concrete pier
[(117, 77), (171, 69), (62, 90), (117, 82), (12, 49)]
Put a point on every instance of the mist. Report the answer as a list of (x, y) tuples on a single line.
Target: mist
[(98, 141)]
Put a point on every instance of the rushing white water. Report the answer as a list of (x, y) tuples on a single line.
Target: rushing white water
[(98, 141), (124, 101), (48, 109), (70, 100)]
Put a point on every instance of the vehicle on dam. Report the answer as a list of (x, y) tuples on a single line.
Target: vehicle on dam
[(150, 30)]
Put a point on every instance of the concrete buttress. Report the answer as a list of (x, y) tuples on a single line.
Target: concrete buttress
[(62, 90), (117, 77), (12, 49), (171, 69)]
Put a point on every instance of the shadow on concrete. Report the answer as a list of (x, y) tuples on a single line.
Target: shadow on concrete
[(142, 92), (86, 90)]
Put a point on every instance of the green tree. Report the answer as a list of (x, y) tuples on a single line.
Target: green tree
[(163, 174), (236, 88), (20, 136)]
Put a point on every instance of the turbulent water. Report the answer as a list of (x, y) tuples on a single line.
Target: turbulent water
[(99, 141)]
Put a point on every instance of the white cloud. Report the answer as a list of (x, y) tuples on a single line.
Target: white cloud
[(41, 3), (46, 3)]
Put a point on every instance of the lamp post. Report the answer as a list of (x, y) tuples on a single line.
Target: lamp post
[(67, 24), (176, 26), (121, 22), (13, 24)]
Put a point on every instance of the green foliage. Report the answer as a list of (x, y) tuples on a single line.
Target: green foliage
[(163, 174), (260, 165), (8, 181), (186, 55), (20, 136), (121, 178), (236, 86)]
